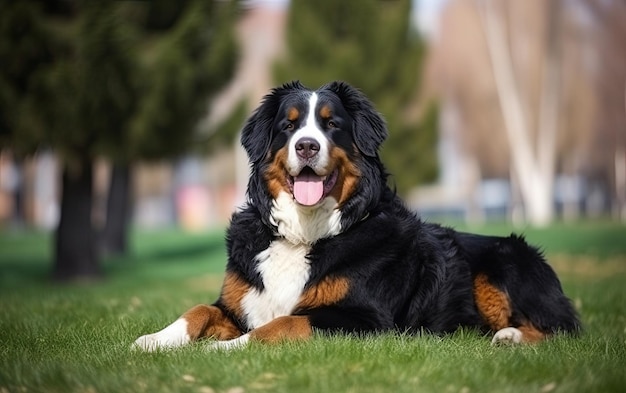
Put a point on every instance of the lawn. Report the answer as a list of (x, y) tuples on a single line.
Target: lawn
[(60, 338)]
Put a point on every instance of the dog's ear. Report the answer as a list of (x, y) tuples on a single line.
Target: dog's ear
[(369, 128), (256, 135)]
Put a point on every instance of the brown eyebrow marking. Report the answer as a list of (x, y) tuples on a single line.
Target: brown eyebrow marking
[(325, 112), (293, 114)]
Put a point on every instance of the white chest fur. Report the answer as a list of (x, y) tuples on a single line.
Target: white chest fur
[(305, 225), (284, 268)]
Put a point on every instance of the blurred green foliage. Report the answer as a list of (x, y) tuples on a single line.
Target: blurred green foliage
[(372, 45), (192, 62), (123, 80), (126, 80)]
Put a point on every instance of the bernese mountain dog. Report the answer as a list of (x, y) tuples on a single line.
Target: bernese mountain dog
[(324, 244)]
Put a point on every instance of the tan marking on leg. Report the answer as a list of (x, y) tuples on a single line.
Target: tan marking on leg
[(287, 328), (197, 319), (209, 321), (348, 177), (233, 291), (530, 334), (327, 292), (276, 174), (221, 326), (492, 303)]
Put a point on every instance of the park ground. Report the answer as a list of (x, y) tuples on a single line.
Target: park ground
[(77, 338)]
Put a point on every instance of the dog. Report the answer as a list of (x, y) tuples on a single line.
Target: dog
[(325, 244)]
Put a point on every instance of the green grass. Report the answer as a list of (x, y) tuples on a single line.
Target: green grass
[(60, 338)]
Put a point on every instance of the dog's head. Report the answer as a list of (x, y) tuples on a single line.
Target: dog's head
[(316, 147)]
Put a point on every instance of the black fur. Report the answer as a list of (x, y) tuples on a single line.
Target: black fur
[(404, 273)]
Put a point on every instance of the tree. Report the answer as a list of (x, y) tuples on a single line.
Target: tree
[(70, 87), (94, 95), (90, 94), (610, 34), (533, 164), (370, 44), (25, 51), (194, 57), (561, 87)]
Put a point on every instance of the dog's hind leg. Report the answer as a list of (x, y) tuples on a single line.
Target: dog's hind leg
[(494, 306), (514, 335)]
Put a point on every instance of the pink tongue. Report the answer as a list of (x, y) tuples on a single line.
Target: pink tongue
[(308, 189)]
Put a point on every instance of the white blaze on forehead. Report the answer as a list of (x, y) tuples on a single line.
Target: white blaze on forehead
[(310, 116), (309, 129)]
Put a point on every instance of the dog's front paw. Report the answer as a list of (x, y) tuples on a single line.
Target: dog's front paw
[(508, 336), (149, 343), (228, 345), (173, 336)]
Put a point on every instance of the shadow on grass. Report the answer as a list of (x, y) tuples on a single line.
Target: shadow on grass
[(26, 258)]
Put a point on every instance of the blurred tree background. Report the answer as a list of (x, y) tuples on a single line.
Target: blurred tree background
[(156, 81), (373, 45), (121, 80), (536, 92)]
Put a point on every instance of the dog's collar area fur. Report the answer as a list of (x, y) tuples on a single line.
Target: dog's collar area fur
[(302, 224)]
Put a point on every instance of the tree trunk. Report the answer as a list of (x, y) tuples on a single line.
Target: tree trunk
[(75, 254), (620, 170), (546, 143), (115, 234), (534, 167)]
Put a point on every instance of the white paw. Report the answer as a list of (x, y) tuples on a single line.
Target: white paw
[(509, 335), (173, 336), (229, 345)]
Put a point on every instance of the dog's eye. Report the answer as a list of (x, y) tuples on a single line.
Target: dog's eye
[(289, 126), (332, 124)]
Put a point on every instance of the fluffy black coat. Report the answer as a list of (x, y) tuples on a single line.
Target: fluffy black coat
[(404, 273)]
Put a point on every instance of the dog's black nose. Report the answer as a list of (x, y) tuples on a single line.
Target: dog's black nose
[(307, 147)]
